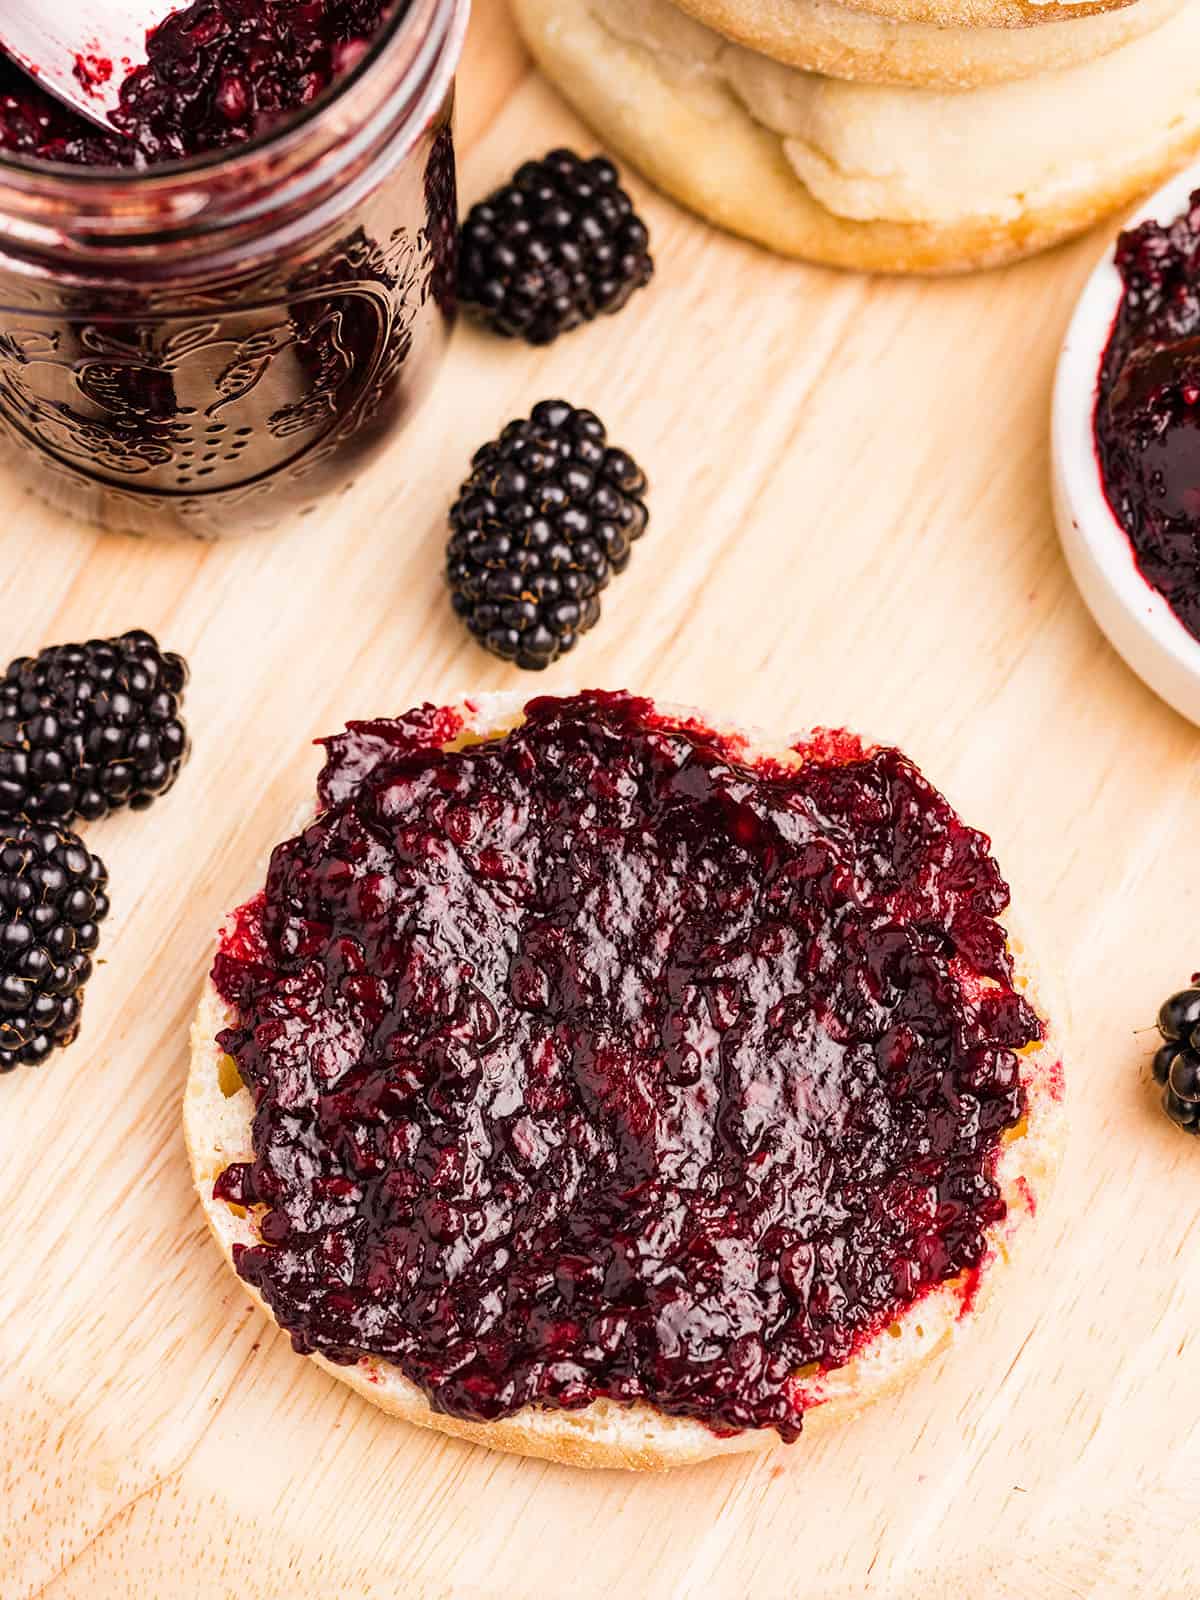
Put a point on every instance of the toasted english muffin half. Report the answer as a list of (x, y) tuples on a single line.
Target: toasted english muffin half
[(218, 1116), (841, 41), (990, 13), (865, 176)]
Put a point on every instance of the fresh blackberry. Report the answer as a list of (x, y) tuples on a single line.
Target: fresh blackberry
[(549, 513), (52, 901), (1177, 1063), (86, 728), (558, 246)]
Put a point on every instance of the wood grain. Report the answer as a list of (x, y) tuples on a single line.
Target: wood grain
[(851, 524)]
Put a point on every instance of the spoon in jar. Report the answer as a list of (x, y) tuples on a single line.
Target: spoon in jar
[(82, 54)]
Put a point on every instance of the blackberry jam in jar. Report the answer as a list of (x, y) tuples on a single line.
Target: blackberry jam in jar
[(213, 317)]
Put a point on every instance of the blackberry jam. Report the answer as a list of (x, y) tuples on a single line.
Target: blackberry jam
[(603, 1060), (211, 321), (218, 72), (1148, 408)]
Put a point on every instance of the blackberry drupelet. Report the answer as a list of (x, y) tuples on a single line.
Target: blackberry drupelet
[(558, 246), (1177, 1063), (549, 513), (52, 901), (86, 728), (1180, 1014)]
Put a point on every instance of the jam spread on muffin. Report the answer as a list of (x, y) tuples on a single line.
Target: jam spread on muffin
[(1148, 408), (219, 73), (609, 1059)]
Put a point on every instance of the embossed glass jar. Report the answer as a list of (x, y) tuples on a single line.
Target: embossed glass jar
[(204, 348)]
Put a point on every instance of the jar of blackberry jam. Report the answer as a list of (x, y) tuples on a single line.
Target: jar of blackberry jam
[(212, 318)]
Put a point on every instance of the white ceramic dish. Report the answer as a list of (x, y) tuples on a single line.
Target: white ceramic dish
[(1137, 620)]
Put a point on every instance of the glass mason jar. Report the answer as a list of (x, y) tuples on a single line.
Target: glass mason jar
[(203, 348)]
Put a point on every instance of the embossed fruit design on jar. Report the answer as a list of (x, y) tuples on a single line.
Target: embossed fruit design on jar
[(204, 346)]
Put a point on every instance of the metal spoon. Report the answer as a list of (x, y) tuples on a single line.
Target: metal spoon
[(82, 54)]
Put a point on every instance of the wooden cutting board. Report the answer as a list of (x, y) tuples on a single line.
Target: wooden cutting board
[(851, 525)]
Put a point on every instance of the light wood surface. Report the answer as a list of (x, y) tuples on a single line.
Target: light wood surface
[(851, 525)]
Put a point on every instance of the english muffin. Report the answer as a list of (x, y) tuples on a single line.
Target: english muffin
[(861, 175), (842, 41), (989, 13), (591, 1082)]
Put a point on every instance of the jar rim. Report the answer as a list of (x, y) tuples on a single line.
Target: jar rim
[(407, 67)]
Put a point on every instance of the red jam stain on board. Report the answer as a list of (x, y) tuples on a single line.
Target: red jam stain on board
[(600, 1061), (1147, 420), (218, 73), (972, 1281)]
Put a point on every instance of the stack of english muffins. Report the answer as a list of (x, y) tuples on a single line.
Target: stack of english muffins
[(886, 135)]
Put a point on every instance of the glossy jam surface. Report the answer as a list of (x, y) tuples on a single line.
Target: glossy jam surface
[(1148, 410), (600, 1061), (219, 73)]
